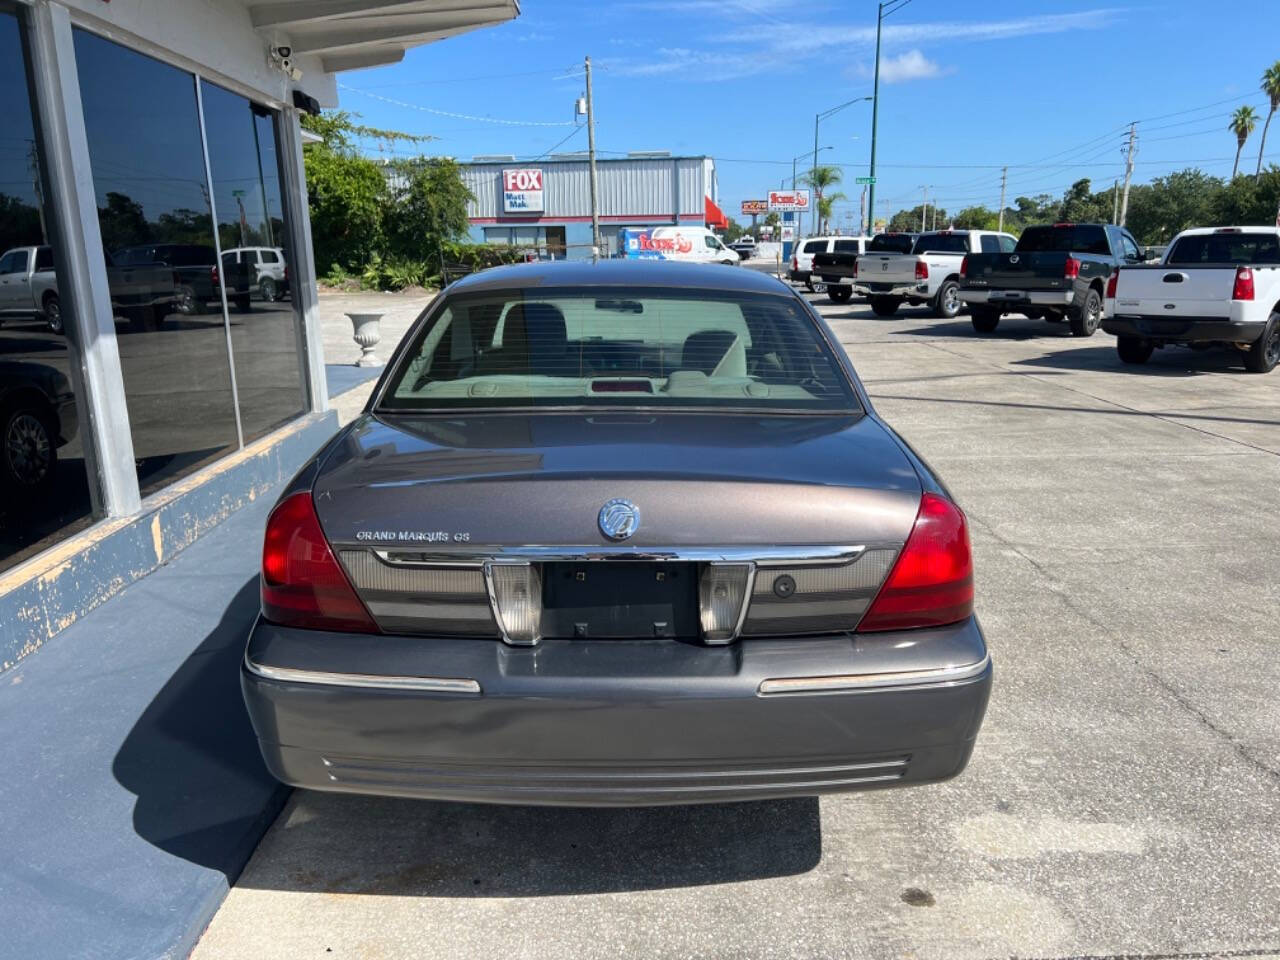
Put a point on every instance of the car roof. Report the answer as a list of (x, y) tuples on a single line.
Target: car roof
[(1206, 231), (623, 273)]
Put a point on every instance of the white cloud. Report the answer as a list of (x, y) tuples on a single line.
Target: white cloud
[(912, 65)]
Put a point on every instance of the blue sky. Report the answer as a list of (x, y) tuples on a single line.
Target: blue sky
[(1047, 87)]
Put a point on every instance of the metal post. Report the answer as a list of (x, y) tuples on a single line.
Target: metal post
[(1128, 171), (924, 208), (1004, 179), (875, 110), (862, 214), (813, 179), (591, 155), (1115, 200), (81, 270)]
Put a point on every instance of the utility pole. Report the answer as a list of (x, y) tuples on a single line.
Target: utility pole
[(875, 108), (813, 179), (1128, 171), (924, 209), (591, 153), (1004, 180), (862, 214), (1115, 200)]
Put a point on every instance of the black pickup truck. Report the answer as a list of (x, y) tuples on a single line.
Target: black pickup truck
[(1057, 271), (839, 268)]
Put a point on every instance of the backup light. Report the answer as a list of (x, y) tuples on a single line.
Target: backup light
[(302, 584), (722, 591), (516, 592)]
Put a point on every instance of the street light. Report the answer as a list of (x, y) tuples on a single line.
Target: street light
[(884, 10), (793, 165), (818, 117)]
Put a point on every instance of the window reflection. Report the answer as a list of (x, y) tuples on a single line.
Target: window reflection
[(44, 489), (246, 190), (154, 209)]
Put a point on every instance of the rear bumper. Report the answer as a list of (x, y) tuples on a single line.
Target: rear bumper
[(1184, 329), (800, 275), (1035, 298), (913, 290), (614, 723)]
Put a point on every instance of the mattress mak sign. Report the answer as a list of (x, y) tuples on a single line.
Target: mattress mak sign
[(522, 191)]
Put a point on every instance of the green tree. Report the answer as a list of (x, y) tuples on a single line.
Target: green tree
[(1042, 208), (825, 205), (1081, 205), (976, 218), (19, 223), (426, 208), (1246, 201), (123, 222), (1171, 204), (1271, 87), (1243, 122), (733, 231), (821, 179)]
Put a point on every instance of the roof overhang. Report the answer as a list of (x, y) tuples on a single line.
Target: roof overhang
[(351, 34)]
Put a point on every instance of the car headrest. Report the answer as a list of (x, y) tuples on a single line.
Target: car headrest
[(540, 326), (717, 353)]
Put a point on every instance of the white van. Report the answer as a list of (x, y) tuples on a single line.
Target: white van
[(693, 244)]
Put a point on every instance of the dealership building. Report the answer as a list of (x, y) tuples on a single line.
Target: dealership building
[(546, 204)]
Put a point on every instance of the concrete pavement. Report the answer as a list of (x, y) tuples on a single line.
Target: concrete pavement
[(1124, 796)]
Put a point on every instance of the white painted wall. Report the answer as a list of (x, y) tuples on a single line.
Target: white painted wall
[(214, 36)]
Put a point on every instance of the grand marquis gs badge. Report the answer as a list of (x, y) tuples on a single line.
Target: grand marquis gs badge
[(619, 519)]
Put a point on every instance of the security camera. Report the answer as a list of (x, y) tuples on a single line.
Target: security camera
[(282, 60), (284, 52)]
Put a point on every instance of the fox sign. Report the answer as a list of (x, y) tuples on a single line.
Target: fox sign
[(522, 191)]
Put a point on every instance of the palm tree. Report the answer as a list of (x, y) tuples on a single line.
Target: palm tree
[(820, 178), (825, 206), (1271, 87), (1243, 122)]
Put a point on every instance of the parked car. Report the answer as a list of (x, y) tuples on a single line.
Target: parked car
[(1056, 271), (744, 246), (195, 269), (834, 270), (37, 416), (930, 273), (692, 244), (1216, 285), (268, 269), (803, 252), (616, 534), (143, 293)]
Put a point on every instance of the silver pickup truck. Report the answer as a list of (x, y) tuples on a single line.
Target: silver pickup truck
[(930, 273), (144, 294)]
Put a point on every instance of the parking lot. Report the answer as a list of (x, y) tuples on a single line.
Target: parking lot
[(1123, 794)]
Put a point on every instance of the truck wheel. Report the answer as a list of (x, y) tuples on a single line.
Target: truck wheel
[(53, 314), (840, 294), (188, 302), (885, 306), (984, 319), (1265, 354), (270, 292), (1084, 319), (1134, 349), (30, 451), (946, 303)]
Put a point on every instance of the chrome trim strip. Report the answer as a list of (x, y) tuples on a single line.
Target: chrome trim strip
[(473, 555), (365, 680), (857, 683)]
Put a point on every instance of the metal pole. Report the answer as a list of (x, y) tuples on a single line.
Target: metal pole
[(1128, 172), (813, 179), (1004, 179), (924, 209), (591, 154), (1115, 200), (875, 110), (862, 214)]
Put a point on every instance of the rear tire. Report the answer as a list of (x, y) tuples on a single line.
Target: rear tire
[(28, 450), (984, 319), (53, 314), (1265, 354), (1134, 350), (946, 303), (885, 306), (1085, 319), (840, 294), (270, 292)]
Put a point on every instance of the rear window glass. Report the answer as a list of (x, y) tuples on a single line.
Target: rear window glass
[(815, 246), (942, 243), (44, 258), (1072, 239), (619, 348), (1227, 248), (846, 246), (891, 243)]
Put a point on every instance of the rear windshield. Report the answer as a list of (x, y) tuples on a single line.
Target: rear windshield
[(1226, 248), (942, 243), (815, 246), (1064, 239), (845, 246), (619, 348), (891, 243)]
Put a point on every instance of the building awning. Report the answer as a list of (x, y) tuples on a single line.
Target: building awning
[(715, 216)]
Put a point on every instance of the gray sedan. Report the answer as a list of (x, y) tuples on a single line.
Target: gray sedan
[(616, 534)]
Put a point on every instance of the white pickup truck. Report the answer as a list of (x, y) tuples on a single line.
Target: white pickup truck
[(930, 273), (1215, 285)]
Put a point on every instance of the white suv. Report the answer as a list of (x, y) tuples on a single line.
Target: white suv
[(803, 251), (270, 272)]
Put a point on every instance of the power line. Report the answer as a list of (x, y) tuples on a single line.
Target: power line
[(458, 116)]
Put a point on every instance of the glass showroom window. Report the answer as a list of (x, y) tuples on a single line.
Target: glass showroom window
[(44, 487), (243, 160)]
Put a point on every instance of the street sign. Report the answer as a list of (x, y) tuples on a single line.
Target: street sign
[(862, 181), (753, 207), (783, 200)]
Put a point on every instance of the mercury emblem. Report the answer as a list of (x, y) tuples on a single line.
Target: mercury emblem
[(619, 519)]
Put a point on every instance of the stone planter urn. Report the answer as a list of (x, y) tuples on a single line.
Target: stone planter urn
[(367, 334)]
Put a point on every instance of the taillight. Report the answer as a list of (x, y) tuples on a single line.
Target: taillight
[(213, 275), (1111, 283), (855, 266), (931, 583), (302, 584), (1071, 269), (964, 266), (1243, 290), (795, 262), (922, 270)]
